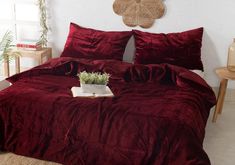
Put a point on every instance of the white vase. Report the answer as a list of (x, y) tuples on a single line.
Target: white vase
[(93, 88)]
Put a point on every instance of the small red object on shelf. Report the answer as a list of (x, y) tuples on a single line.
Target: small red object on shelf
[(29, 45)]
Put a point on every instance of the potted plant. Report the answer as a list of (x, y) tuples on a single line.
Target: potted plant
[(6, 53), (93, 82)]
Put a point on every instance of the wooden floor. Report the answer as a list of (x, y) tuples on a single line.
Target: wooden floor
[(219, 142)]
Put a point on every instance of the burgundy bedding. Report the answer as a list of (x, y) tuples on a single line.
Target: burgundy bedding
[(157, 117)]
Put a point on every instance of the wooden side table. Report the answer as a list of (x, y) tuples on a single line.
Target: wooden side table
[(225, 75), (36, 54)]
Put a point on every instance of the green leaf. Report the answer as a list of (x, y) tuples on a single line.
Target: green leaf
[(6, 53), (94, 78)]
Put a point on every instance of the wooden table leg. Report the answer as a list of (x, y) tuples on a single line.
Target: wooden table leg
[(6, 67), (40, 60), (220, 99), (224, 88), (17, 63), (50, 54)]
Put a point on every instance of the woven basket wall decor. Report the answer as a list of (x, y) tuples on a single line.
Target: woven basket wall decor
[(139, 12)]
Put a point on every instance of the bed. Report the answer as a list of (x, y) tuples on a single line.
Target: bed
[(157, 116)]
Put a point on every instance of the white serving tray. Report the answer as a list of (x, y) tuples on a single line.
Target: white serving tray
[(77, 92)]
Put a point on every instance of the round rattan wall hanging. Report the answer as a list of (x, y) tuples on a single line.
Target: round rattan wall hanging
[(139, 12)]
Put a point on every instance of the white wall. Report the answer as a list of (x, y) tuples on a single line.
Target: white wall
[(216, 16)]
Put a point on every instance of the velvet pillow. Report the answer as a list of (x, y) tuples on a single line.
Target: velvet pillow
[(182, 49), (95, 44)]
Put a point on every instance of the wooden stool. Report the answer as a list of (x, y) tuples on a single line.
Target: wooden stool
[(225, 75), (35, 54)]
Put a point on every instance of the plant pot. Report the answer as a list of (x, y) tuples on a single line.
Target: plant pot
[(93, 88)]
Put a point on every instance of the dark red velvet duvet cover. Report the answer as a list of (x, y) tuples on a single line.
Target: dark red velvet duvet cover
[(157, 117)]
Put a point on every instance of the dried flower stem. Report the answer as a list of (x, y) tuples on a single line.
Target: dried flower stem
[(43, 22)]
